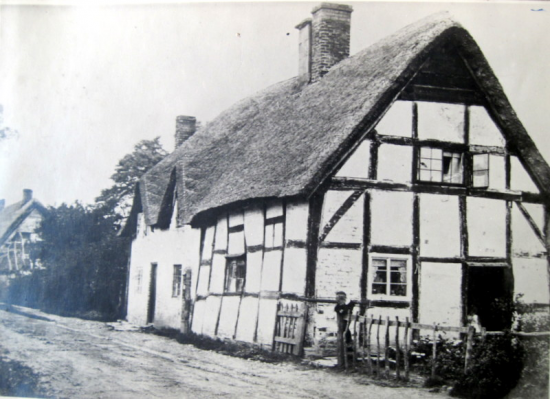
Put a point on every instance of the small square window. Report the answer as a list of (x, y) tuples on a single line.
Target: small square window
[(389, 279), (235, 274), (436, 165)]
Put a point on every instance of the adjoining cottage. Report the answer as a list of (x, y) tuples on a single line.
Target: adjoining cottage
[(18, 225), (400, 175)]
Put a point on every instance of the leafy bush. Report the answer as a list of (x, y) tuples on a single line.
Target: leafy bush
[(495, 368)]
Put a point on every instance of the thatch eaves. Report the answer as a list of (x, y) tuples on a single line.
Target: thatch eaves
[(284, 141)]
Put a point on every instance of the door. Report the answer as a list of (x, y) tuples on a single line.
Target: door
[(490, 296), (152, 294), (186, 310)]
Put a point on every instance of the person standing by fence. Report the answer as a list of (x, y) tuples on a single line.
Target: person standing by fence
[(343, 313)]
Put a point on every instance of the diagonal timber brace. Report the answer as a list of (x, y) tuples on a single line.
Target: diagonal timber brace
[(348, 203), (532, 223)]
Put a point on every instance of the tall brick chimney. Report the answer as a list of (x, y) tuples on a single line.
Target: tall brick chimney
[(27, 195), (185, 128), (324, 40)]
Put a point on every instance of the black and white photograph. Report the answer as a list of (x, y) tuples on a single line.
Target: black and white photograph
[(274, 199)]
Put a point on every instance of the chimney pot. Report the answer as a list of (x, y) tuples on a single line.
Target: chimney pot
[(186, 126), (27, 195)]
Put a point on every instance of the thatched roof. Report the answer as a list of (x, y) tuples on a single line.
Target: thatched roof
[(283, 141), (13, 215)]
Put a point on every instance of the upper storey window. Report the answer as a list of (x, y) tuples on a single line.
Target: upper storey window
[(437, 165)]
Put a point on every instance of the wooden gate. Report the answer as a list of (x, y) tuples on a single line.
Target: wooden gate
[(289, 328)]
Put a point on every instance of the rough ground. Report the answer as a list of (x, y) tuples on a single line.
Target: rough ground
[(85, 359)]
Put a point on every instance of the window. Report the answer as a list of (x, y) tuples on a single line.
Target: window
[(176, 281), (390, 277), (480, 170), (235, 274), (437, 165)]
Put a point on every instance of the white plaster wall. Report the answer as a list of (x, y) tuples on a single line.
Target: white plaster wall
[(294, 273), (210, 317), (391, 218), (395, 163), (217, 277), (338, 270), (332, 201), (497, 172), (271, 270), (438, 121), (486, 219), (254, 262), (483, 130), (519, 178), (398, 120), (350, 226), (246, 325), (274, 208), (166, 248), (524, 240), (440, 295), (221, 239), (208, 243), (439, 225), (266, 321), (204, 277), (198, 316), (228, 316), (357, 165), (254, 225), (297, 212), (531, 279)]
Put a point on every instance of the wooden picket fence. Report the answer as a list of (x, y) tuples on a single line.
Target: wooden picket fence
[(374, 357), (289, 328)]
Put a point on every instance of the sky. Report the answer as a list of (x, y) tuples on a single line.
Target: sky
[(82, 84)]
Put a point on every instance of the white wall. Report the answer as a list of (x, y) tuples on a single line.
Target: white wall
[(398, 120), (166, 248), (486, 227), (440, 298), (391, 218), (438, 121), (483, 130), (395, 163), (439, 226)]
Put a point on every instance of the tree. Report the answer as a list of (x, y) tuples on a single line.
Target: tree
[(118, 198), (85, 265)]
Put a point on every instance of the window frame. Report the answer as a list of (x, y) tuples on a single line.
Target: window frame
[(371, 278), (487, 170), (452, 152), (232, 274), (177, 280)]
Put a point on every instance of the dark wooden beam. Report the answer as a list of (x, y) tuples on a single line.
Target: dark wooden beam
[(532, 223), (283, 249), (415, 258), (314, 221), (348, 203), (443, 95), (386, 249), (365, 256), (340, 245)]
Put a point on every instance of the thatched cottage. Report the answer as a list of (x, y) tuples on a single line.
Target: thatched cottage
[(400, 175), (18, 225)]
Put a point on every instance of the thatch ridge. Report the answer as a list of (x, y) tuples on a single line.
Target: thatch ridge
[(283, 141)]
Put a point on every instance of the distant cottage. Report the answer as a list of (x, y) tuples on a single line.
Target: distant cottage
[(400, 175), (18, 224)]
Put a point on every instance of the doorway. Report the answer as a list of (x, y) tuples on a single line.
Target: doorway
[(152, 294), (490, 296)]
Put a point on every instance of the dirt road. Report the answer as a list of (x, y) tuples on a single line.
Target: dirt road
[(84, 359)]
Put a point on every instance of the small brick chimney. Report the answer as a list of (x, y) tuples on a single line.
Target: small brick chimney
[(324, 40), (186, 126), (27, 195)]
